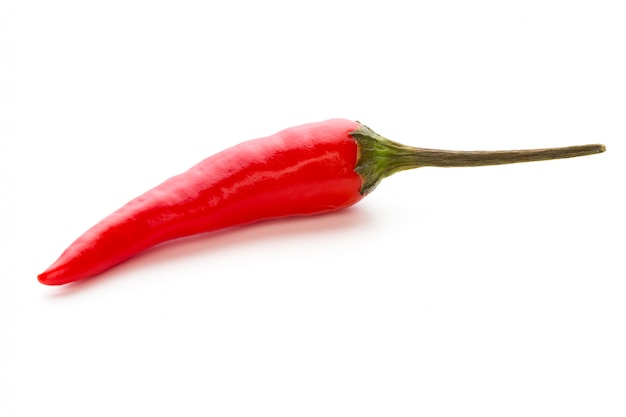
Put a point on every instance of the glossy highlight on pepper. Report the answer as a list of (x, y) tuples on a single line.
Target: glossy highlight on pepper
[(303, 170)]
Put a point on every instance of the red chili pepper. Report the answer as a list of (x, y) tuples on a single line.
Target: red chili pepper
[(302, 170)]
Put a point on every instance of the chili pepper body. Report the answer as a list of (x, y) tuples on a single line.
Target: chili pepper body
[(302, 170)]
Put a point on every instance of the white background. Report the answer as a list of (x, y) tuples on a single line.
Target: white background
[(496, 291)]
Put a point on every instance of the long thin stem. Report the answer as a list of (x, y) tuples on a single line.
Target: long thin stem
[(445, 158), (380, 157)]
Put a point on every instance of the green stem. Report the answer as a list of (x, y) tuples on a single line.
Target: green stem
[(380, 157)]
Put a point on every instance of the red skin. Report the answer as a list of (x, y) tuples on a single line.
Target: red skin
[(302, 170)]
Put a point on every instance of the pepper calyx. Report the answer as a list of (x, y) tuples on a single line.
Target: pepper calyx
[(379, 157)]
